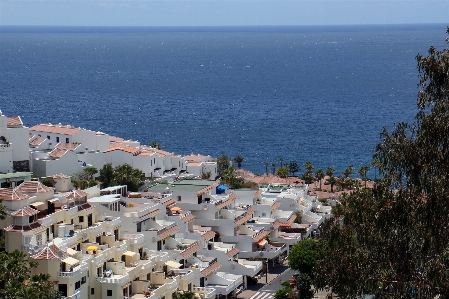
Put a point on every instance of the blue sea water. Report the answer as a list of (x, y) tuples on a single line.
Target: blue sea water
[(306, 93)]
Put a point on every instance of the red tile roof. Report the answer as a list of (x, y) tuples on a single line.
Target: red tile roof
[(245, 216), (85, 207), (14, 121), (75, 194), (208, 188), (57, 153), (12, 194), (49, 252), (37, 141), (61, 176), (196, 158), (232, 252), (26, 211), (150, 215), (211, 268), (227, 202), (169, 202), (67, 146), (167, 232), (258, 193), (261, 235), (289, 221), (191, 250), (187, 217), (275, 205), (56, 129), (208, 235), (33, 187)]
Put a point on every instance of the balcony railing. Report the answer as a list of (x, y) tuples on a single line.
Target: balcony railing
[(112, 221), (77, 295), (120, 280), (207, 292), (78, 270)]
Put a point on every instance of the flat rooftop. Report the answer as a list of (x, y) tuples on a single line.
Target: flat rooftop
[(184, 185)]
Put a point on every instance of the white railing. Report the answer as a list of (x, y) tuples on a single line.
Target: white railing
[(147, 265), (72, 210), (97, 229), (77, 295), (158, 293), (137, 239), (112, 221), (120, 280), (76, 271), (46, 221), (102, 257), (172, 285), (5, 145), (123, 247), (185, 275)]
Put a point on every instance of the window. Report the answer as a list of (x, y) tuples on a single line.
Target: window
[(83, 280), (67, 140), (81, 219), (264, 214), (48, 136), (57, 139), (77, 285), (179, 198), (92, 291), (109, 292)]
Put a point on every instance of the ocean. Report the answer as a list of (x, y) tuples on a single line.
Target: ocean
[(305, 93)]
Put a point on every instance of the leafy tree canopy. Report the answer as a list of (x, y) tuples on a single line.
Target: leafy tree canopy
[(392, 241), (304, 255), (282, 172), (239, 159), (293, 167), (223, 163)]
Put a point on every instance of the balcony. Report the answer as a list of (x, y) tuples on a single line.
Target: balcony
[(116, 279), (76, 271), (47, 221), (77, 295), (158, 293), (135, 239), (146, 264), (113, 222), (206, 293), (72, 211), (97, 229)]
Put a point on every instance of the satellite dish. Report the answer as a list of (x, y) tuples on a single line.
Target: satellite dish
[(261, 253), (36, 247), (84, 235), (205, 206), (60, 254), (109, 232)]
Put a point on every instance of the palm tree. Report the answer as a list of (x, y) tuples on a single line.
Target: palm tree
[(362, 171), (319, 175), (127, 175), (274, 167), (184, 295), (332, 181), (239, 159), (281, 160), (348, 171), (330, 171), (154, 144), (266, 167)]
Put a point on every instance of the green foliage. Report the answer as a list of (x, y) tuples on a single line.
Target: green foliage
[(223, 163), (392, 241), (239, 159), (319, 175), (282, 172), (363, 170), (331, 181), (206, 175), (3, 210), (183, 295), (298, 218), (308, 177), (47, 182), (156, 145), (348, 171), (305, 254), (266, 167), (90, 171), (293, 167), (16, 280), (330, 171), (122, 175)]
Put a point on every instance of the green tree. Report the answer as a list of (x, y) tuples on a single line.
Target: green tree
[(305, 254), (90, 171), (156, 145), (319, 175), (348, 171), (274, 167), (331, 181), (3, 210), (47, 182), (330, 171), (363, 170), (308, 166), (392, 241), (239, 159), (127, 175), (293, 167), (16, 280), (223, 164), (184, 295), (266, 168), (282, 172), (107, 175), (280, 161), (308, 177)]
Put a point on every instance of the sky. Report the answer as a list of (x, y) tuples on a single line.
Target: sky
[(220, 12)]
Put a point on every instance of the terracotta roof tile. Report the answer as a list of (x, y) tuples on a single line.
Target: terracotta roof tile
[(14, 121), (150, 215), (12, 194), (258, 193), (188, 217), (289, 221), (191, 250), (211, 268), (56, 129), (57, 153), (275, 205), (169, 202), (85, 207), (208, 188), (196, 158), (245, 216), (75, 194), (33, 187), (227, 202), (261, 235), (49, 252), (232, 252), (208, 235), (167, 232), (26, 211), (61, 176), (37, 141), (67, 146)]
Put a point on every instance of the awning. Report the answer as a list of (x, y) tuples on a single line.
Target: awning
[(37, 203), (173, 264), (130, 253), (54, 200), (92, 247), (262, 242), (70, 261), (175, 209), (71, 251)]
